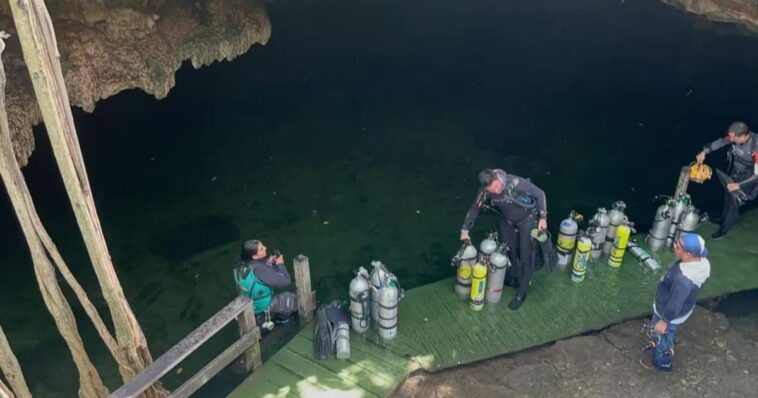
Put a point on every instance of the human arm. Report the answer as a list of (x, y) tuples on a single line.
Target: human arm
[(711, 147), (473, 214), (274, 275)]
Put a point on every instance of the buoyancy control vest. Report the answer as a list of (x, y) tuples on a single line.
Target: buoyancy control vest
[(250, 286)]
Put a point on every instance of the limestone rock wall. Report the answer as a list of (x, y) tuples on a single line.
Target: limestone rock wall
[(108, 46), (740, 12)]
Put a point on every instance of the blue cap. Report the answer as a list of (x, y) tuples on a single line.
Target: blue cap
[(693, 244)]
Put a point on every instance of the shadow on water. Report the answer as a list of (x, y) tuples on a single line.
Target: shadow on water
[(194, 237)]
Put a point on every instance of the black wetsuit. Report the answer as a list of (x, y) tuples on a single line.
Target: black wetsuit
[(520, 205), (742, 170)]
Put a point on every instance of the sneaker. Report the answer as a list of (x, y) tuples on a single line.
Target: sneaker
[(647, 362)]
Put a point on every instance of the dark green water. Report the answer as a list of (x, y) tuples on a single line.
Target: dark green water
[(357, 133)]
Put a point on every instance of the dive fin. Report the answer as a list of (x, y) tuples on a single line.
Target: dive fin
[(323, 338)]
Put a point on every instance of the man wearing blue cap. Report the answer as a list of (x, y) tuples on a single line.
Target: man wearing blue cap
[(675, 298)]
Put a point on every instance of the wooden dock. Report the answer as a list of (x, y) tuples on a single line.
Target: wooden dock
[(437, 331)]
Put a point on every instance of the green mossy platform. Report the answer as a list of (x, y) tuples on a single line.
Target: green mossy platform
[(438, 331)]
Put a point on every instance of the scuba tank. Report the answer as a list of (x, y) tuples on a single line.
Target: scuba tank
[(496, 276), (359, 301), (464, 260), (567, 238), (581, 258), (388, 300), (385, 296), (656, 238), (690, 221), (479, 271), (642, 255), (489, 244), (598, 230), (619, 244), (680, 206), (478, 284), (343, 341), (616, 218)]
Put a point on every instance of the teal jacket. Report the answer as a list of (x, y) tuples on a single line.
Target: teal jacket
[(256, 279)]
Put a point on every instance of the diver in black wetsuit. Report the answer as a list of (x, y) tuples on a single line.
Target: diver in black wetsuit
[(742, 181), (522, 206)]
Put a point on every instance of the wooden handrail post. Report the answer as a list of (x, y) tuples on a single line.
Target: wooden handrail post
[(251, 358), (306, 302)]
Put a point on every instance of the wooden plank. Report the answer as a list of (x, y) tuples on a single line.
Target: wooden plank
[(251, 358), (217, 364), (181, 350), (306, 303)]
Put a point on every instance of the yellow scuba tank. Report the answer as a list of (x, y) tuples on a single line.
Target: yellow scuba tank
[(463, 281), (619, 245), (581, 258), (478, 285)]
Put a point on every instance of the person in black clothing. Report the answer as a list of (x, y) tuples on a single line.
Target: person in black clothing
[(522, 206), (743, 171), (257, 274)]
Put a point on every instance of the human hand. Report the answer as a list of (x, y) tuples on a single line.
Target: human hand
[(464, 235), (279, 260), (660, 327), (542, 224), (700, 157), (733, 186)]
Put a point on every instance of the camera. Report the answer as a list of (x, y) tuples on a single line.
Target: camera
[(276, 253)]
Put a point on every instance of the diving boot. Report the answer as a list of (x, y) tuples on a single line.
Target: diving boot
[(517, 300)]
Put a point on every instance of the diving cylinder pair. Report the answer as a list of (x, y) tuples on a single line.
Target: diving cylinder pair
[(567, 238), (385, 297), (642, 255), (359, 301), (581, 258), (659, 231), (479, 271), (680, 206), (620, 242), (598, 230), (498, 266), (464, 260), (616, 218)]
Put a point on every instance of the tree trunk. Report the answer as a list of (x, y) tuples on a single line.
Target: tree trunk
[(41, 55), (90, 383), (10, 368)]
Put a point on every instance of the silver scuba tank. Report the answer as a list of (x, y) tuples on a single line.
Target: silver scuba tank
[(387, 303), (359, 301), (567, 239), (464, 260), (496, 275), (642, 255), (689, 222), (380, 277), (616, 218), (599, 231), (656, 238), (385, 296), (489, 244), (680, 206), (343, 341)]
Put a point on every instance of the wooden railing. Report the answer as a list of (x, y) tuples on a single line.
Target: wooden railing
[(247, 348)]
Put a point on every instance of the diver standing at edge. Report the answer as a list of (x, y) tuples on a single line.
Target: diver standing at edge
[(522, 206)]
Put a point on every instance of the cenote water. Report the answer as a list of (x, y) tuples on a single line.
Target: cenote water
[(356, 133)]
